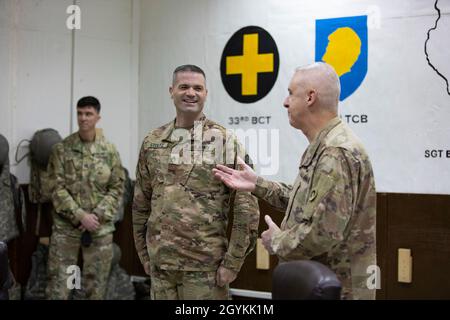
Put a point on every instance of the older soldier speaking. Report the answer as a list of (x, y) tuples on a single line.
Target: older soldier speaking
[(331, 208)]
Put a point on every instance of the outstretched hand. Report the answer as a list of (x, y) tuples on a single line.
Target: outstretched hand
[(242, 180)]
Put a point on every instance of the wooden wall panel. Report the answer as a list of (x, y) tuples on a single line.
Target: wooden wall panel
[(382, 243), (418, 222), (251, 278), (123, 236), (422, 224), (21, 248)]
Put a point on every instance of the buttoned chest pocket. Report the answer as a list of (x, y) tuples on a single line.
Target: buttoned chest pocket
[(305, 185), (315, 200), (157, 164), (101, 169), (298, 209), (73, 167)]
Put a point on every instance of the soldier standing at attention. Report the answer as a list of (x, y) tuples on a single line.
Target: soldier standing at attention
[(88, 184), (331, 208), (180, 212)]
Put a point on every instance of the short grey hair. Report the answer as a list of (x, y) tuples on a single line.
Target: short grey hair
[(322, 77)]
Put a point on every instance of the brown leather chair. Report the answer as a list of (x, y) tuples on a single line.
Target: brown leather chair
[(305, 280), (6, 277)]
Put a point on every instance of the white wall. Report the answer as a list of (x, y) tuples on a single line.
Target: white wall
[(166, 33), (105, 66), (406, 102), (5, 67), (126, 51), (36, 77), (35, 52)]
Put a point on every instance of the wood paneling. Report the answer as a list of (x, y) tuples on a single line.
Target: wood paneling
[(415, 221), (251, 278), (422, 224), (21, 248), (123, 236), (382, 242)]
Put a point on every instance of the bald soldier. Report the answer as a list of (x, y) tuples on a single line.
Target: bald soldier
[(180, 212), (331, 208)]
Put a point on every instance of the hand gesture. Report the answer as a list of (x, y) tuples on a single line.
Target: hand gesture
[(242, 180), (266, 236)]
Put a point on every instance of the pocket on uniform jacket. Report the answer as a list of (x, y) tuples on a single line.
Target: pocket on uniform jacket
[(71, 171), (316, 196), (153, 227), (178, 173), (102, 172), (157, 167), (201, 179)]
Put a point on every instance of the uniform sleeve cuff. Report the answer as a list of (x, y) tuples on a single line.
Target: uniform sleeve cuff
[(78, 215), (277, 238), (260, 188), (232, 263)]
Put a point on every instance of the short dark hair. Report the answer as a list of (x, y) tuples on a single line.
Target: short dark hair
[(187, 68), (89, 101)]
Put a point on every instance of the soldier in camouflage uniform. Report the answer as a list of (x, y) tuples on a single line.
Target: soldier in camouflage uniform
[(331, 208), (88, 183), (180, 212)]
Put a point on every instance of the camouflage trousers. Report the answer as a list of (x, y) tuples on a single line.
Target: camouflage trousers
[(186, 285), (63, 252)]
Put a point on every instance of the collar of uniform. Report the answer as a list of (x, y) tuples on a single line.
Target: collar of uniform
[(165, 135), (314, 146), (78, 145), (205, 123), (167, 132)]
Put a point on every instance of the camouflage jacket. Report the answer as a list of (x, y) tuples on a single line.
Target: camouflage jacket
[(330, 210), (12, 205), (180, 212), (88, 178)]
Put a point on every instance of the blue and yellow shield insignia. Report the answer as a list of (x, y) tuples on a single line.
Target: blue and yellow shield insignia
[(342, 43)]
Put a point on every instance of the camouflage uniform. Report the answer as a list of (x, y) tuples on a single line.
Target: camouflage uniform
[(119, 282), (12, 205), (88, 178), (330, 210), (37, 280), (180, 213)]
